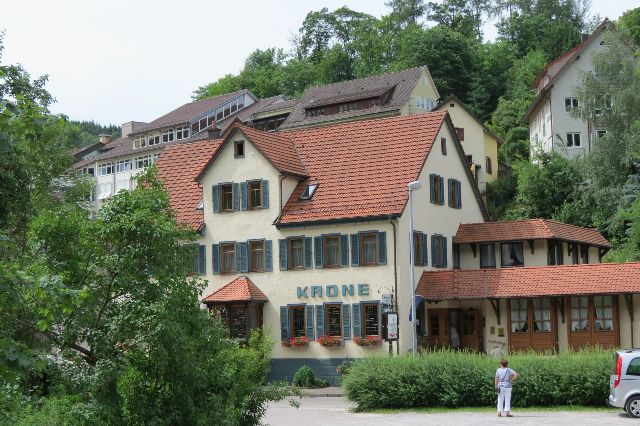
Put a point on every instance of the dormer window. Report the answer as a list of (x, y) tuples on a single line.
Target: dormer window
[(238, 151), (308, 192), (139, 142)]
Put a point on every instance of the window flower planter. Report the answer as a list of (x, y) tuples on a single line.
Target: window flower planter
[(298, 342), (368, 341), (329, 341)]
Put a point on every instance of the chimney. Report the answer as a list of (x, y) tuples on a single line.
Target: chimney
[(584, 37), (129, 127), (104, 138)]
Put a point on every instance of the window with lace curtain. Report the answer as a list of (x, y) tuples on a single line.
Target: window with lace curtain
[(519, 321), (542, 314)]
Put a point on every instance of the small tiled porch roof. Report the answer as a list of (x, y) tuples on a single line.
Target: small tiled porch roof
[(241, 289), (537, 281)]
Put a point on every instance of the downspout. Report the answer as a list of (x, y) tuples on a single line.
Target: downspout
[(281, 179), (395, 273)]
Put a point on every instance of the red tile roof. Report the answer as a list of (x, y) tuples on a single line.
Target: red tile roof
[(362, 167), (277, 148), (594, 278), (240, 289), (532, 229), (177, 167)]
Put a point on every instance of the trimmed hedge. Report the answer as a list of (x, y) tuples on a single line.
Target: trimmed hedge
[(457, 379)]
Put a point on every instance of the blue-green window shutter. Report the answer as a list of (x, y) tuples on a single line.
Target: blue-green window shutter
[(432, 188), (268, 256), (238, 255), (355, 250), (244, 257), (215, 258), (317, 246), (346, 321), (308, 253), (236, 196), (244, 195), (441, 190), (202, 259), (459, 185), (357, 331), (382, 248), (450, 198), (282, 245), (319, 320), (284, 323), (433, 251), (425, 251), (308, 310), (215, 196), (265, 194), (344, 250), (444, 252)]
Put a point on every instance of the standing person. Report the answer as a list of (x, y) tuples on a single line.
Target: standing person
[(504, 379)]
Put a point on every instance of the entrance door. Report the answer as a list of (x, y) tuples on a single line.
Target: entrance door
[(438, 328), (470, 330)]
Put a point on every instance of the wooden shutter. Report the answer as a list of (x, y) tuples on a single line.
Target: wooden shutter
[(265, 193), (445, 249), (284, 323), (235, 192), (215, 258), (308, 253), (317, 243), (355, 250), (215, 196), (244, 195), (346, 321), (282, 252), (244, 256), (432, 188), (238, 255), (425, 250), (344, 250), (450, 192), (357, 331), (441, 190), (459, 185), (308, 310), (268, 256), (319, 320), (382, 248), (202, 259), (433, 251)]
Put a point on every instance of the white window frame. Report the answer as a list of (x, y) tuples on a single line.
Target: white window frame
[(140, 142), (571, 140), (168, 136), (105, 169), (182, 132), (146, 161), (124, 166), (153, 139), (573, 104)]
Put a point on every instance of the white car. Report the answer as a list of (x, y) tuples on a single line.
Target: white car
[(624, 384)]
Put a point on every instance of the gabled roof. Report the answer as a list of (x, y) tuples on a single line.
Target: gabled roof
[(241, 289), (539, 281), (276, 147), (401, 84), (532, 229), (189, 111), (177, 167), (453, 98)]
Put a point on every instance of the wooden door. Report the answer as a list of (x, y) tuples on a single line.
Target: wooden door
[(470, 330), (438, 327)]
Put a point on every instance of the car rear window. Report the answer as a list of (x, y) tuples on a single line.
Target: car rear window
[(634, 367)]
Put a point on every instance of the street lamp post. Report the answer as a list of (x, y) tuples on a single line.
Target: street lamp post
[(412, 187)]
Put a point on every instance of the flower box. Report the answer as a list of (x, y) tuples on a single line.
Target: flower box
[(298, 342), (329, 341), (367, 341)]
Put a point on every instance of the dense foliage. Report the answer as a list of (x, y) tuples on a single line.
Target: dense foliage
[(459, 379)]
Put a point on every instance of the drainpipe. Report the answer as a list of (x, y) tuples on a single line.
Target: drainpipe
[(281, 179), (395, 273)]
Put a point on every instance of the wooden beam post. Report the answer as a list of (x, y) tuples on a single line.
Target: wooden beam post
[(495, 304)]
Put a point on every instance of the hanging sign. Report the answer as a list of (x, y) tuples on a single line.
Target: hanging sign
[(390, 326)]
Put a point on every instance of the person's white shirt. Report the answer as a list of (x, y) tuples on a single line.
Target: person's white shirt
[(455, 338)]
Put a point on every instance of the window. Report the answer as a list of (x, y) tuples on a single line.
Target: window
[(167, 135), (144, 161), (331, 251), (487, 255), (297, 321), (237, 323), (333, 320), (436, 183), (511, 254), (418, 248), (226, 197), (519, 321), (573, 140), (238, 151), (256, 256), (570, 103), (308, 192), (455, 196), (489, 166), (603, 310), (601, 133), (368, 249), (554, 253), (104, 190), (573, 250), (460, 133), (580, 313), (443, 146), (314, 112), (124, 166), (105, 169), (182, 132), (438, 251), (370, 319), (255, 194), (434, 325), (349, 106), (542, 314), (153, 139), (296, 253), (455, 252), (584, 253), (634, 367), (228, 255), (203, 123), (139, 142)]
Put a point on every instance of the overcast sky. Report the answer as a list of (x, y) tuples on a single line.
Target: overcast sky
[(120, 60)]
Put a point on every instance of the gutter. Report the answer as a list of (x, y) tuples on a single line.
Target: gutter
[(395, 271)]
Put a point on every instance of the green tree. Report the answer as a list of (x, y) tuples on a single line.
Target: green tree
[(226, 84), (407, 12), (629, 23)]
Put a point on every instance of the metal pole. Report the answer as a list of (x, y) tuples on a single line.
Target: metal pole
[(413, 278)]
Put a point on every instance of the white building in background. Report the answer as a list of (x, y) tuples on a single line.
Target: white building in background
[(551, 125)]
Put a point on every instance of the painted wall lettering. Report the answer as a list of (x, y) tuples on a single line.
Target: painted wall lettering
[(363, 289), (316, 291), (332, 290)]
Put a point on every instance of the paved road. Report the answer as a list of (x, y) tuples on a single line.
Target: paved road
[(334, 411)]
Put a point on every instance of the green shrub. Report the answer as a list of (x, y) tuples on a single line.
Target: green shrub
[(455, 379), (305, 378)]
